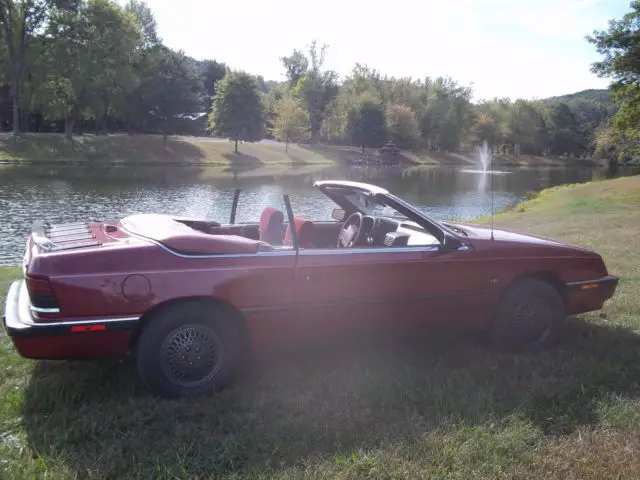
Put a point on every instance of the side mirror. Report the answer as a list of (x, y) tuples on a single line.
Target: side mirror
[(337, 214)]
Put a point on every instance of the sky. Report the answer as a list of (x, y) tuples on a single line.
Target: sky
[(502, 48)]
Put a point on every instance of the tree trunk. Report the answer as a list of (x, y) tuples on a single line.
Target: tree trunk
[(68, 127), (164, 139), (15, 93), (286, 146), (236, 148), (105, 114)]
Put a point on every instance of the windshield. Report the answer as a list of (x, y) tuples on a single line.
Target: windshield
[(369, 206)]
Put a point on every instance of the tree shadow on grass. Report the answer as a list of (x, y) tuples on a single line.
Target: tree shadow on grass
[(241, 163), (136, 149), (90, 173), (325, 401), (107, 149)]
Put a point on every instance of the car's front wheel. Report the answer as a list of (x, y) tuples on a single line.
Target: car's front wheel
[(188, 349), (529, 317)]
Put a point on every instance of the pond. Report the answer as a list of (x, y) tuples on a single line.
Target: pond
[(79, 193)]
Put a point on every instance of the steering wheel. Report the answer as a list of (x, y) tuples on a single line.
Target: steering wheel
[(351, 231)]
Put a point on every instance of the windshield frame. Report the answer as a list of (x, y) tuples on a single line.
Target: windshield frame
[(339, 191), (368, 204)]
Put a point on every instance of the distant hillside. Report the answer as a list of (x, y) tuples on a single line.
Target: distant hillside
[(602, 96), (593, 106)]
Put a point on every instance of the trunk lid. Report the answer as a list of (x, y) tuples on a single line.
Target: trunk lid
[(47, 237)]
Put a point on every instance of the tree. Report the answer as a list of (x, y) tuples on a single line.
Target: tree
[(211, 72), (173, 89), (295, 65), (522, 124), (366, 124), (402, 125), (566, 137), (143, 16), (237, 111), (291, 123), (620, 45), (487, 124), (19, 20), (134, 105), (89, 60), (313, 86)]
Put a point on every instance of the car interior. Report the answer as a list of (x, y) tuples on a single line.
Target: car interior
[(358, 230)]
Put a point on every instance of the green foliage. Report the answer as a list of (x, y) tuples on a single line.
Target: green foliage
[(238, 111), (402, 125), (313, 86), (94, 61), (366, 124), (211, 72), (295, 65), (172, 87), (19, 22), (146, 22), (291, 122), (620, 46), (596, 96), (89, 61)]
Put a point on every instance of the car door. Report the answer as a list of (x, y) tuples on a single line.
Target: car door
[(363, 290)]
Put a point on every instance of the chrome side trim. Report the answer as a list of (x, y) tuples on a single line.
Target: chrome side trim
[(44, 310), (26, 318), (355, 251), (92, 321)]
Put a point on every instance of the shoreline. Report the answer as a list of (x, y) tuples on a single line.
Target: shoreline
[(43, 149)]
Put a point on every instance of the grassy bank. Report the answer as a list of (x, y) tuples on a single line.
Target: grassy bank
[(445, 408), (503, 160), (121, 149), (150, 149)]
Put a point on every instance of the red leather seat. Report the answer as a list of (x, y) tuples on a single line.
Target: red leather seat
[(304, 231), (271, 227)]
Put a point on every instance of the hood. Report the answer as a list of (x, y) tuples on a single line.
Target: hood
[(484, 233), (477, 232)]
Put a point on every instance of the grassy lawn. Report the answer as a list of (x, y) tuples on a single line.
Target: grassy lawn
[(142, 149), (122, 149), (444, 408)]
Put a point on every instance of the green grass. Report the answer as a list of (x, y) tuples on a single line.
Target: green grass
[(145, 149), (122, 149), (445, 408)]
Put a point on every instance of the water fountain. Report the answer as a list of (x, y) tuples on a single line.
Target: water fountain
[(485, 157)]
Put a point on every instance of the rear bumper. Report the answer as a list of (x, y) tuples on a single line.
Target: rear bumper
[(589, 295), (63, 339)]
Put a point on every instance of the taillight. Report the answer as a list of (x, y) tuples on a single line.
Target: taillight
[(44, 304)]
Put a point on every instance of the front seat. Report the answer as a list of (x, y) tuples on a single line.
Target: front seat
[(271, 227), (304, 231)]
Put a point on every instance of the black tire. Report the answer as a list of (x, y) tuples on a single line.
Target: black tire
[(529, 317), (193, 338)]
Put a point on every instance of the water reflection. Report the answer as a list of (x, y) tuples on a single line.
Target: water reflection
[(73, 193)]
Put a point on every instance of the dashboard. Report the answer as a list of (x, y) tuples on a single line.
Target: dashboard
[(381, 231)]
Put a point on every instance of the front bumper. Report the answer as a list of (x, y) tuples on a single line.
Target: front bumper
[(76, 338), (589, 295), (606, 286)]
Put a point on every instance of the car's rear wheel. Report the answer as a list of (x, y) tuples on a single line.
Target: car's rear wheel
[(529, 317), (189, 349)]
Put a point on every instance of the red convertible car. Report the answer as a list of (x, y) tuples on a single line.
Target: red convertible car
[(190, 298)]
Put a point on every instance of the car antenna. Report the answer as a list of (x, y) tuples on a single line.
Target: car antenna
[(491, 173)]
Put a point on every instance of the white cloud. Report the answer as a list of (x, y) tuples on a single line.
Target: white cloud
[(517, 48)]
